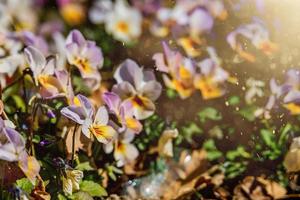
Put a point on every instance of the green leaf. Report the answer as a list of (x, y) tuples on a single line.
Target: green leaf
[(36, 139), (239, 152), (248, 113), (187, 132), (20, 104), (234, 169), (61, 197), (10, 91), (171, 93), (112, 170), (93, 189), (213, 155), (192, 129), (84, 166), (80, 86), (209, 113), (25, 185), (234, 100), (268, 138), (81, 196), (212, 152), (284, 134)]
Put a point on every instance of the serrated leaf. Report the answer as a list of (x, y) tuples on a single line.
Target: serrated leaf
[(93, 189)]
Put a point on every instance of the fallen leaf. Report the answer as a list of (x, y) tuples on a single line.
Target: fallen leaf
[(258, 188)]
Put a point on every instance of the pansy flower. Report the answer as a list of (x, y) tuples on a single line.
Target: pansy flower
[(121, 20), (287, 94), (73, 12), (12, 149), (124, 151), (100, 10), (212, 76), (53, 83), (190, 45), (137, 86), (123, 110), (292, 99), (181, 71), (86, 56), (200, 21), (147, 7), (31, 39), (10, 57), (82, 113), (124, 22), (17, 14), (196, 17), (257, 34)]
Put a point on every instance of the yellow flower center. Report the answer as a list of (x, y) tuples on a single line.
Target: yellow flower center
[(184, 73), (120, 147), (83, 64), (76, 101), (208, 89), (293, 108), (123, 27)]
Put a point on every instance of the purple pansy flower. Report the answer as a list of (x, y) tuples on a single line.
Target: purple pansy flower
[(86, 56), (30, 39), (258, 36), (138, 86), (82, 113), (181, 70), (53, 83), (211, 77), (123, 111), (13, 150), (287, 93), (195, 17)]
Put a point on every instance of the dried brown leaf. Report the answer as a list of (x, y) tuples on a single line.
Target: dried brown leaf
[(81, 142), (258, 188)]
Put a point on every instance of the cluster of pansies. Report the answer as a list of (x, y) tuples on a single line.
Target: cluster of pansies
[(138, 99), (186, 75)]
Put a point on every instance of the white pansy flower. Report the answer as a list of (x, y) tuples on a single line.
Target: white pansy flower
[(124, 22)]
